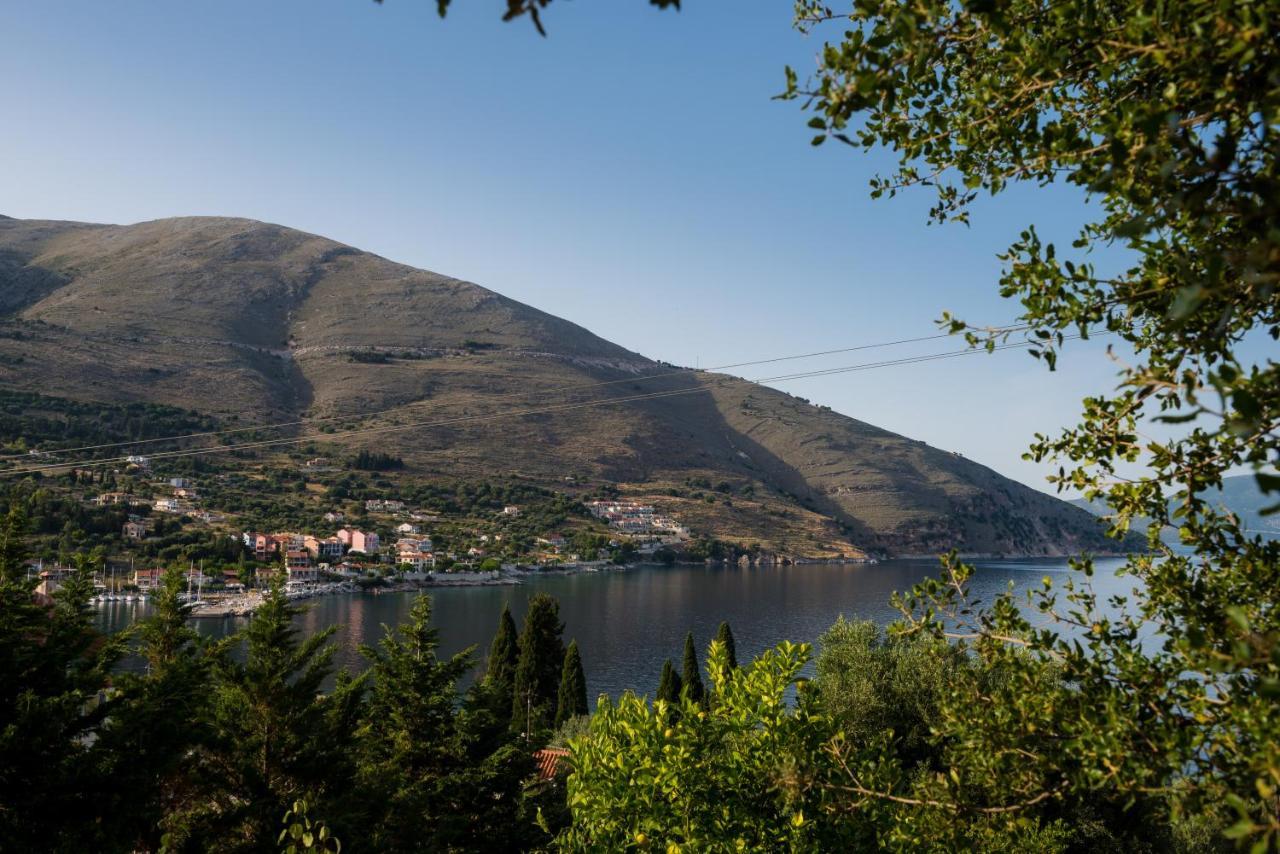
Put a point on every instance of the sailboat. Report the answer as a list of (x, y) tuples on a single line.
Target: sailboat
[(196, 602)]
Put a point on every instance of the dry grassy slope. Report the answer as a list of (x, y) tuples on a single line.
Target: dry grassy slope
[(902, 494), (257, 322)]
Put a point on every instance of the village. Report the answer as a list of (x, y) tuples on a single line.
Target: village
[(378, 544)]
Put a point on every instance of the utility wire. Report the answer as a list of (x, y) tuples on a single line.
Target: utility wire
[(467, 419), (328, 418)]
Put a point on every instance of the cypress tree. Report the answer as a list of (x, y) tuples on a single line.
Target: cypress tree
[(572, 700), (538, 667), (690, 674), (725, 636), (500, 671), (670, 684)]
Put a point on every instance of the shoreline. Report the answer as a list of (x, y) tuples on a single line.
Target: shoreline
[(243, 605)]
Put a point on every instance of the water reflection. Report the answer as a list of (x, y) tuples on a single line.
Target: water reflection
[(628, 622)]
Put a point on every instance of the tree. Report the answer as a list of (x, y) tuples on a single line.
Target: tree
[(273, 736), (52, 667), (504, 651), (690, 675), (669, 685), (1166, 115), (571, 702), (724, 635), (743, 776), (157, 720), (541, 659), (408, 739), (873, 683)]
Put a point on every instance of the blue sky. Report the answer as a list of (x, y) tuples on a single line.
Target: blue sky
[(630, 173)]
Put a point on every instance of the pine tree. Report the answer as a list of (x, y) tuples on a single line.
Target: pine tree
[(669, 685), (52, 667), (572, 699), (500, 672), (725, 636), (274, 737), (155, 726), (690, 674), (408, 742), (538, 667)]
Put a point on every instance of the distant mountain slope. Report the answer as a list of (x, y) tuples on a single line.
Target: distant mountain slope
[(1239, 494), (256, 323)]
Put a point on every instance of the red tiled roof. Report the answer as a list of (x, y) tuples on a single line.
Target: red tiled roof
[(548, 759)]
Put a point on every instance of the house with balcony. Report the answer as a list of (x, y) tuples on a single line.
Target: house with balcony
[(297, 563), (326, 550), (416, 558)]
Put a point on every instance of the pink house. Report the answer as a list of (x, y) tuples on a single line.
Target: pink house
[(359, 541)]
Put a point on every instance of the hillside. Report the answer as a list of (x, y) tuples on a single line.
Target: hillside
[(250, 323)]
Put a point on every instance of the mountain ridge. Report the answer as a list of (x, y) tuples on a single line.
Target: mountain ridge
[(253, 322)]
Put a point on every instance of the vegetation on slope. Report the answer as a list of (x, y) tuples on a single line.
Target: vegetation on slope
[(251, 323)]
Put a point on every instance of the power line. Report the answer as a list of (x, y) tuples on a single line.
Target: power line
[(375, 413), (465, 419)]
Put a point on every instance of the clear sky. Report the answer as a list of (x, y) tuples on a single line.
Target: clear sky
[(630, 173)]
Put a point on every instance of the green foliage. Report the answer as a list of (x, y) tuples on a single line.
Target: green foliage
[(710, 549), (571, 700), (670, 685), (273, 736), (872, 684), (743, 776), (571, 728), (724, 636), (29, 420), (155, 723), (376, 461), (538, 667), (53, 666), (690, 675), (301, 836), (504, 653), (432, 768), (1166, 115), (212, 742)]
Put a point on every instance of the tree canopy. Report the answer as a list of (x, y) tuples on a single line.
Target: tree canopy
[(1165, 115), (538, 669)]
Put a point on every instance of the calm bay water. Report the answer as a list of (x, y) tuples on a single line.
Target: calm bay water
[(628, 621)]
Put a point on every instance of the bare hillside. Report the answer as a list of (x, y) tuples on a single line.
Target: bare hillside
[(254, 323)]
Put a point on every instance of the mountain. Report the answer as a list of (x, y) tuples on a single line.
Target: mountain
[(1239, 494), (252, 323)]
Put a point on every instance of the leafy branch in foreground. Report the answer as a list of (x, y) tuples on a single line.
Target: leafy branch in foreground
[(533, 9), (1166, 116)]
